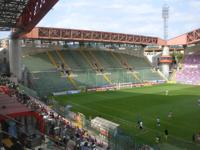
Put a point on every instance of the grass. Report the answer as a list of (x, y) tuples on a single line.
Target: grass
[(146, 103)]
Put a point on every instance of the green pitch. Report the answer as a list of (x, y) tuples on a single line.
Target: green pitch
[(128, 106)]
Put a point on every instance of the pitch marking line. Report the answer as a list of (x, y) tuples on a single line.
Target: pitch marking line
[(128, 122), (142, 133)]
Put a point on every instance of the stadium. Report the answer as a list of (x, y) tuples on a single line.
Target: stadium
[(89, 89)]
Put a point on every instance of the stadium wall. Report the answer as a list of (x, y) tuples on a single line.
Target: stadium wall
[(36, 50), (192, 48)]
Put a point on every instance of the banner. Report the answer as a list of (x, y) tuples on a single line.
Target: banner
[(67, 92)]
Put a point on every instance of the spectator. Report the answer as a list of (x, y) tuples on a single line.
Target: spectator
[(71, 144), (166, 134)]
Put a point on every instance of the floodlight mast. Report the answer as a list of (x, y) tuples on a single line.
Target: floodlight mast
[(165, 59), (165, 16)]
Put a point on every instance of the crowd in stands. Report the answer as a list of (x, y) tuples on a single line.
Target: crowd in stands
[(190, 74), (63, 133)]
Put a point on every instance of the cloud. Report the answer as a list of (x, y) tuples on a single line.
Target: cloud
[(124, 16), (4, 34), (194, 3)]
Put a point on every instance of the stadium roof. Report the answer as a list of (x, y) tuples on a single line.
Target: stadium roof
[(10, 11), (63, 34), (23, 14)]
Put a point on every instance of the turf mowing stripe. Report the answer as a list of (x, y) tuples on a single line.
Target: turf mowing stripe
[(99, 94), (146, 118), (142, 133), (131, 123)]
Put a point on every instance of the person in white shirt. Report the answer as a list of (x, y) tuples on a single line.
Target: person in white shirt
[(141, 125), (166, 92), (158, 122)]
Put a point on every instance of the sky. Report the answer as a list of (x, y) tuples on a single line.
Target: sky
[(142, 17)]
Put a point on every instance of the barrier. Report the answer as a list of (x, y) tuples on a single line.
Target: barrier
[(123, 86), (67, 92)]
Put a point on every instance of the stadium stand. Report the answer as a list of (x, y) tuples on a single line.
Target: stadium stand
[(190, 73), (86, 68)]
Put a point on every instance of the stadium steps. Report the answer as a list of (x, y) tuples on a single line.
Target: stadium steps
[(85, 73), (62, 59), (128, 66), (89, 79), (86, 76), (106, 60), (107, 78), (162, 75), (181, 63), (173, 75), (52, 59), (78, 59), (73, 60), (101, 66), (125, 78), (88, 57), (111, 65), (144, 68), (70, 78), (117, 59), (134, 74), (87, 60)]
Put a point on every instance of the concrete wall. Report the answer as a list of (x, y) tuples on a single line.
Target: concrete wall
[(28, 50), (4, 54), (192, 48)]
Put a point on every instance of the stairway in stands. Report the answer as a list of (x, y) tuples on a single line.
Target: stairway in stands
[(66, 66), (102, 70), (95, 64), (123, 62)]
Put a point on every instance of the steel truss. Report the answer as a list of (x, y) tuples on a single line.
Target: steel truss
[(193, 37), (93, 36)]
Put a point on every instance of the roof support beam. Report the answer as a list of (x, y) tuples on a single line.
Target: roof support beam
[(87, 35), (34, 11)]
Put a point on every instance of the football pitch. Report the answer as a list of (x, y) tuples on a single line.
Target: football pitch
[(147, 104)]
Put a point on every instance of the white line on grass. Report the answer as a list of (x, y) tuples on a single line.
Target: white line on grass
[(142, 133), (131, 123)]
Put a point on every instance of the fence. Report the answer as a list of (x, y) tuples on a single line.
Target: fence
[(46, 83), (116, 141)]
